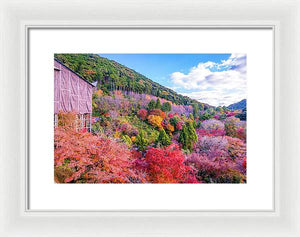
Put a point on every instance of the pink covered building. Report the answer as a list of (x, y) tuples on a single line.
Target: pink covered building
[(72, 93)]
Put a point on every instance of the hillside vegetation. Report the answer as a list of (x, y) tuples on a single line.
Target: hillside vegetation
[(148, 135), (111, 75)]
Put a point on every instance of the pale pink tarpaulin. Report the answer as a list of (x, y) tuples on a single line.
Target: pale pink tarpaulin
[(71, 93)]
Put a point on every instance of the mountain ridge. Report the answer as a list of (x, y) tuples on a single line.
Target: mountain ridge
[(240, 105)]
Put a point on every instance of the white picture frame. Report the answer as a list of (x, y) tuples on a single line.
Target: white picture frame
[(282, 16)]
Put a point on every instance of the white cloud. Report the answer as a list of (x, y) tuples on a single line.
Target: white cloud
[(215, 83)]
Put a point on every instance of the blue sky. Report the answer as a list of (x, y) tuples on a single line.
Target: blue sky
[(216, 79)]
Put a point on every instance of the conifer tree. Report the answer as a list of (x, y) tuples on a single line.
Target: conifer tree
[(158, 104), (183, 137), (196, 110), (188, 136), (166, 107), (141, 141), (192, 132), (163, 138), (151, 105)]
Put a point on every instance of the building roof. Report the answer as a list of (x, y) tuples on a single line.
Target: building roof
[(92, 84)]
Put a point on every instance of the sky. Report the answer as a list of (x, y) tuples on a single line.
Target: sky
[(215, 79)]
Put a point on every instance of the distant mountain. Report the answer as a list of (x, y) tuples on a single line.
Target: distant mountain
[(239, 105), (111, 75)]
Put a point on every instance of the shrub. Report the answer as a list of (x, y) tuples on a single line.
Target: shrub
[(236, 148), (108, 104), (241, 134), (212, 147), (155, 121), (205, 116), (231, 126), (61, 173), (165, 165), (174, 120), (157, 112), (96, 128), (141, 141), (179, 125), (222, 116), (212, 124), (127, 129), (216, 171), (143, 114), (83, 157), (68, 120), (170, 128)]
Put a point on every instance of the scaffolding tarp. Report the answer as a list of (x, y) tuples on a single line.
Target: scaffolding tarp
[(71, 92)]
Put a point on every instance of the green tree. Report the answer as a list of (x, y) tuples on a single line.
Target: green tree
[(151, 105), (163, 138), (192, 132), (158, 104), (220, 109), (166, 107), (195, 110), (183, 138), (188, 136), (141, 141), (174, 120), (205, 116), (211, 111), (201, 107)]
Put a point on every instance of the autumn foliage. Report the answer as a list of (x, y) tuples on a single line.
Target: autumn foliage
[(133, 141), (142, 132), (155, 120), (143, 114), (166, 165), (92, 159)]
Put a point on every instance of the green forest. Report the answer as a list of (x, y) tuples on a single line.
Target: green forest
[(111, 76)]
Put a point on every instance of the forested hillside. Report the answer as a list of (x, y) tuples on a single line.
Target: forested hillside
[(238, 105), (111, 76)]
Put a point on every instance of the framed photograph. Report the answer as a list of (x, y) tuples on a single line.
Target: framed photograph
[(172, 115), (164, 126)]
